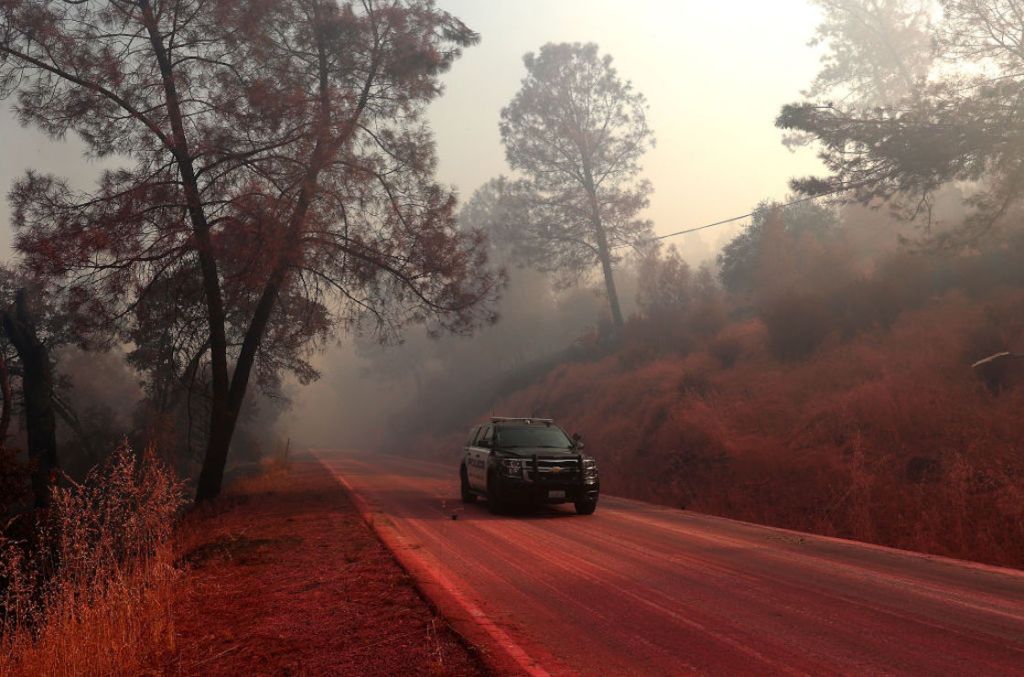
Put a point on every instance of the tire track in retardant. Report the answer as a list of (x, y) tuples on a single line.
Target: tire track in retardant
[(859, 574), (855, 574), (855, 570), (783, 594)]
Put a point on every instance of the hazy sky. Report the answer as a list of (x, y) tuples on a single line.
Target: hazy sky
[(715, 74)]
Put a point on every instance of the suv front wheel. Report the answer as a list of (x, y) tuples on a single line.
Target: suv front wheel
[(586, 506), (467, 494), (494, 501)]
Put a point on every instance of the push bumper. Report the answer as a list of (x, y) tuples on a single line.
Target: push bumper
[(548, 492)]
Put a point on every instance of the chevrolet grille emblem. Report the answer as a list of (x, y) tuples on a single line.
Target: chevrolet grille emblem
[(556, 469)]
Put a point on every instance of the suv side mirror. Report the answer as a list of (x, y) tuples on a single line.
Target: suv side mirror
[(577, 440), (486, 444)]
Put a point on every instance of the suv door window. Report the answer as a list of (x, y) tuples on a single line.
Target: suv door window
[(473, 432), (486, 435)]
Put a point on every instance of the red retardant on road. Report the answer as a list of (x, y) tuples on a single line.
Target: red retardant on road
[(638, 589)]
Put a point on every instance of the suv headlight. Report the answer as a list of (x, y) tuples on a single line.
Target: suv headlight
[(513, 467), (589, 469)]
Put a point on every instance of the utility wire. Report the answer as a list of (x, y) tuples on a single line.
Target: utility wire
[(729, 220)]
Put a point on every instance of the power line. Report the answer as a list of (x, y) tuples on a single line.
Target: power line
[(729, 220)]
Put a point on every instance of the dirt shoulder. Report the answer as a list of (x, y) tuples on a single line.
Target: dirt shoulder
[(285, 578)]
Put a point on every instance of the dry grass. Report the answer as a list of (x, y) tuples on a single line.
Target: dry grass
[(285, 578), (123, 630), (92, 593), (279, 576)]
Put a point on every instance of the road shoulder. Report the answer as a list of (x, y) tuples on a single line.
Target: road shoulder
[(285, 577)]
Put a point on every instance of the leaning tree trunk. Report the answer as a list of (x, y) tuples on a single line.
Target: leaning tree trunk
[(609, 279), (225, 410), (211, 475), (37, 384), (604, 253)]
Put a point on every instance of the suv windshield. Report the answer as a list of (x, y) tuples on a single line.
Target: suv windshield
[(549, 438)]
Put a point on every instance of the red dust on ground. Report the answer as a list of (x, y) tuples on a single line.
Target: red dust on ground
[(286, 579)]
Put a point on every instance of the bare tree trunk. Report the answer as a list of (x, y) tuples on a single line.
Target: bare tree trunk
[(221, 423), (5, 392), (609, 280), (37, 383), (604, 254), (216, 457), (226, 410)]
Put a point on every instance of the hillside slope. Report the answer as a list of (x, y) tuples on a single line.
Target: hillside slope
[(888, 437)]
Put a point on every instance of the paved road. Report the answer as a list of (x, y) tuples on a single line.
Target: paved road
[(638, 589)]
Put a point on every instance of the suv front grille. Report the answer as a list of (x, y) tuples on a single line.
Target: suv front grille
[(554, 470)]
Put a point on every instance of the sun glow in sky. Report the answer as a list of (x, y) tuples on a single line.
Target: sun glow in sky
[(714, 73)]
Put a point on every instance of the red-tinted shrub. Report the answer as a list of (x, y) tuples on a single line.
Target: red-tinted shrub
[(849, 408)]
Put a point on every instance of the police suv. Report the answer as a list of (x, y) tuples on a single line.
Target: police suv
[(527, 460)]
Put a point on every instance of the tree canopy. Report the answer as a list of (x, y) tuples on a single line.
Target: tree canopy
[(876, 51), (962, 122), (739, 259), (576, 132), (277, 176)]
